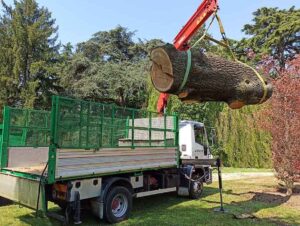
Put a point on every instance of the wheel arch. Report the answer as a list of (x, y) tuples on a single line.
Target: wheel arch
[(108, 183)]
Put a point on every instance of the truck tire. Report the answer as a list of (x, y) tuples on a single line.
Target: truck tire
[(196, 189), (117, 204)]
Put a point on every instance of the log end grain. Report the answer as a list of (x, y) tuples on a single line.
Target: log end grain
[(162, 70)]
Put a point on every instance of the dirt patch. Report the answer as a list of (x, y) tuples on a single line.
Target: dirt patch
[(271, 198), (294, 201), (277, 196)]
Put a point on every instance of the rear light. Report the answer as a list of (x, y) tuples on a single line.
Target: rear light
[(59, 191), (183, 147)]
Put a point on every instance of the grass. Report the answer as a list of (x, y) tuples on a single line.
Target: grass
[(240, 196), (244, 170)]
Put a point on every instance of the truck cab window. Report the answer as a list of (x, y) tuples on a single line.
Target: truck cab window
[(199, 135)]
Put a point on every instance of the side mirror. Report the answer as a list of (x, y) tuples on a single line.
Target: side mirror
[(213, 137)]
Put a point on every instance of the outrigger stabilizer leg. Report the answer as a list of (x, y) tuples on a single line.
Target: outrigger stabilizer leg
[(221, 209)]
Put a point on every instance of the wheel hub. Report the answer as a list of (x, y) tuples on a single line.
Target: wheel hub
[(119, 205), (115, 204)]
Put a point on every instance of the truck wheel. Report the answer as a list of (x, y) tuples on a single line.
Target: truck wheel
[(117, 205), (196, 189)]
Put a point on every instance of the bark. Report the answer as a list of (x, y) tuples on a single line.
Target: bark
[(211, 78), (289, 186)]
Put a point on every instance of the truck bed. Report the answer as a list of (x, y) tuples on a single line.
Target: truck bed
[(31, 160)]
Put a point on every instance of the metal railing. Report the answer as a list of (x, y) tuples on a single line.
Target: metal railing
[(24, 128), (89, 125)]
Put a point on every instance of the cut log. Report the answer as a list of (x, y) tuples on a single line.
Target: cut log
[(210, 78)]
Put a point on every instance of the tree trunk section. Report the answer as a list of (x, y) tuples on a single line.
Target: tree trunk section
[(211, 78)]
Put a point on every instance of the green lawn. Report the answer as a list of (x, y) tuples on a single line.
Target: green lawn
[(244, 170), (240, 196)]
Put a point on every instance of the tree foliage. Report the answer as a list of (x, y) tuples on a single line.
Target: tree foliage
[(275, 32), (109, 67), (112, 46), (282, 120), (122, 83), (243, 143), (28, 52)]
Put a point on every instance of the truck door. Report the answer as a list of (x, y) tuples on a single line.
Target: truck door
[(200, 145)]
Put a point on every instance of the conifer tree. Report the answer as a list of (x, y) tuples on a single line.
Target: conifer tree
[(275, 32), (30, 50)]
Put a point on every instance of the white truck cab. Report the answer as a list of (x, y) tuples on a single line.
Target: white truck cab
[(193, 141)]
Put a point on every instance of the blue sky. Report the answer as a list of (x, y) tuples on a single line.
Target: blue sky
[(78, 19)]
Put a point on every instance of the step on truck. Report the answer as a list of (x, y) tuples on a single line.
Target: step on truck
[(98, 156)]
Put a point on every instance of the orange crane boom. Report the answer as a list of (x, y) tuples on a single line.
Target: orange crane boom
[(181, 41), (203, 13)]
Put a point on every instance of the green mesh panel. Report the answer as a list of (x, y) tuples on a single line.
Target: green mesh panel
[(28, 128), (89, 125)]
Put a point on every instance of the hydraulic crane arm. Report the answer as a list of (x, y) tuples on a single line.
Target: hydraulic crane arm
[(204, 11), (181, 41), (162, 102)]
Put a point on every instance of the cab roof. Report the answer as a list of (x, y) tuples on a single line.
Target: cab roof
[(193, 123)]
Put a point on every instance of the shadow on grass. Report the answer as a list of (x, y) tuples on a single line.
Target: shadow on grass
[(168, 209), (5, 202), (30, 219)]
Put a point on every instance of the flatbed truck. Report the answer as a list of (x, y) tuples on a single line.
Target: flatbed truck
[(84, 154)]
